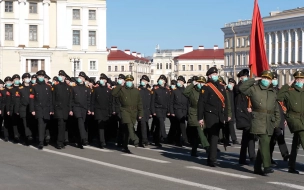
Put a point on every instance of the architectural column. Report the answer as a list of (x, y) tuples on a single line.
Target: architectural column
[(61, 24), (276, 57), (296, 59), (302, 55), (101, 31), (22, 28), (85, 31), (289, 46), (46, 23), (283, 47), (269, 48)]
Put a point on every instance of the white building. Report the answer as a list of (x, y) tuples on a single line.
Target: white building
[(44, 34), (284, 38)]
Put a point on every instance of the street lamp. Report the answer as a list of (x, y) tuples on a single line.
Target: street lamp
[(75, 61)]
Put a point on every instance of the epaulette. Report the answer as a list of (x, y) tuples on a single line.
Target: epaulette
[(20, 87), (2, 88), (291, 89), (203, 91)]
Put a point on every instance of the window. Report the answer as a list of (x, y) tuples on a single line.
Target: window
[(161, 66), (92, 15), (227, 43), (9, 6), (243, 42), (93, 65), (191, 67), (199, 67), (92, 38), (122, 68), (130, 68), (76, 14), (214, 65), (115, 68), (167, 66), (109, 68), (76, 37), (77, 65), (170, 65), (228, 60), (9, 32), (33, 7), (208, 67), (222, 66), (238, 42), (238, 59), (183, 67), (34, 65), (157, 65), (33, 33)]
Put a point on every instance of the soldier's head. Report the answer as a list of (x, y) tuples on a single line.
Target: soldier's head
[(26, 78), (121, 79), (221, 80), (275, 79), (47, 78), (144, 80), (81, 77), (33, 79), (267, 77), (200, 82), (129, 81), (173, 84), (299, 78), (67, 79), (162, 80), (231, 83), (243, 75), (180, 81), (8, 81), (1, 83), (212, 74), (61, 76), (16, 79), (103, 79)]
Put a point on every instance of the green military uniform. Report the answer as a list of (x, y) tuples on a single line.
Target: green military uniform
[(131, 108), (266, 116), (293, 97), (192, 93)]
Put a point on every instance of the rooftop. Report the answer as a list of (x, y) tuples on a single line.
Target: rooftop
[(202, 54), (119, 55)]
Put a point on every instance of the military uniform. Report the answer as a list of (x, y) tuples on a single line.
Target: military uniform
[(266, 116), (6, 108), (196, 132), (131, 109), (171, 137), (293, 97)]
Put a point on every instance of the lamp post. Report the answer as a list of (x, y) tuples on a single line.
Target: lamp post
[(75, 61)]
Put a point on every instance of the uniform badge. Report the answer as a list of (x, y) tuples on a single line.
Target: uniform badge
[(203, 91), (152, 92), (45, 88)]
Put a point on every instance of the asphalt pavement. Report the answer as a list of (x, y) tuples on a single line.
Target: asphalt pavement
[(169, 167)]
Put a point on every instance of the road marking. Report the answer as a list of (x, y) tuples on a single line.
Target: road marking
[(219, 172), (288, 185), (98, 149), (140, 172), (145, 158), (286, 170)]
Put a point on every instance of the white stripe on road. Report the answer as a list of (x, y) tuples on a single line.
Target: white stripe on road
[(98, 149), (219, 172), (162, 177), (288, 185), (145, 158)]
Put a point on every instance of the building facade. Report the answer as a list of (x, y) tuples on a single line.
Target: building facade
[(284, 33), (45, 34), (125, 62)]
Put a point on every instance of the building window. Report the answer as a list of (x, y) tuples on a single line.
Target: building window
[(93, 65), (199, 67), (78, 64), (33, 33), (130, 68), (208, 67), (122, 68), (34, 65), (76, 37), (167, 66), (227, 60), (238, 59), (227, 43), (115, 68), (9, 32), (76, 14), (183, 67), (161, 66), (222, 66), (92, 38), (244, 59), (191, 67), (33, 7), (9, 6), (109, 68), (238, 42), (92, 15), (243, 42), (157, 65), (170, 65)]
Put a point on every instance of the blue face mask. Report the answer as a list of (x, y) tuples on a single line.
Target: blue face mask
[(60, 78), (8, 84), (245, 79), (172, 86), (27, 80), (275, 82), (41, 79), (214, 78), (129, 84), (265, 82), (230, 86), (160, 82), (299, 84), (17, 82), (79, 80), (179, 85), (33, 81), (142, 83), (119, 81), (199, 86), (101, 82)]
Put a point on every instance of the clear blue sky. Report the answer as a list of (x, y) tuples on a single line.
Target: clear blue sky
[(139, 25)]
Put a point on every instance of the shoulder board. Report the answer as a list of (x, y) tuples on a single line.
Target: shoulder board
[(203, 91), (20, 87), (52, 89), (9, 87), (152, 92), (291, 88), (174, 88), (1, 88)]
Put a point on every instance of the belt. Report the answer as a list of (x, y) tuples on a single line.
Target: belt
[(263, 111), (296, 113)]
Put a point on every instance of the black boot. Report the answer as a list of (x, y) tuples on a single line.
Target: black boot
[(268, 170), (293, 171)]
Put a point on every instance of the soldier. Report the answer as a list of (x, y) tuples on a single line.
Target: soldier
[(81, 99), (189, 82), (196, 132), (41, 106), (160, 107), (2, 103), (292, 96), (23, 109), (62, 97), (6, 107), (131, 109), (15, 99), (278, 133), (143, 126), (179, 110), (243, 119), (266, 116), (213, 111), (171, 137), (101, 107), (33, 79), (47, 78)]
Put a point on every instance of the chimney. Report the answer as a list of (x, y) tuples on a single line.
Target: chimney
[(215, 47), (201, 47), (139, 55), (188, 49), (113, 48), (134, 53), (127, 51)]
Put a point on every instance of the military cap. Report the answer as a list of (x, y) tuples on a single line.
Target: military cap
[(92, 80), (201, 79), (103, 76), (298, 74), (145, 77), (244, 72), (121, 76), (267, 74), (173, 82), (47, 77), (163, 77), (15, 76), (275, 75), (98, 82), (68, 78), (41, 72), (194, 78), (211, 71), (1, 81), (26, 75), (74, 79), (8, 79), (34, 76), (222, 80), (62, 73), (148, 86), (181, 78), (82, 74), (231, 80), (129, 78), (55, 79), (190, 81)]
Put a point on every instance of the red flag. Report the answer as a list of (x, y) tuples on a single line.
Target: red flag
[(257, 55)]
